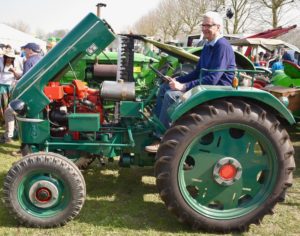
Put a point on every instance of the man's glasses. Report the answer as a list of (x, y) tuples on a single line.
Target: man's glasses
[(207, 25)]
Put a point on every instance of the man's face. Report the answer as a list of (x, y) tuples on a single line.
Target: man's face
[(28, 52), (210, 29)]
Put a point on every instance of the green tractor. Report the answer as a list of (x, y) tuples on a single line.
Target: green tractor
[(104, 66), (289, 78), (224, 164)]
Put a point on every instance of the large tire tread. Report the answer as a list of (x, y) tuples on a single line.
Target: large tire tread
[(42, 160), (204, 115)]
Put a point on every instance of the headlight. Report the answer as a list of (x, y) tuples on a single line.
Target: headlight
[(18, 106)]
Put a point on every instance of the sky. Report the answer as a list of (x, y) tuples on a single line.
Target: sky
[(50, 15)]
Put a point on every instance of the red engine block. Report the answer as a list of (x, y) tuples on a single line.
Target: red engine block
[(77, 94)]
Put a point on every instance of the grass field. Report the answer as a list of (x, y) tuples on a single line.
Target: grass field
[(125, 202)]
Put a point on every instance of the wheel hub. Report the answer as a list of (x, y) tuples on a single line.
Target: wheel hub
[(227, 171), (43, 194)]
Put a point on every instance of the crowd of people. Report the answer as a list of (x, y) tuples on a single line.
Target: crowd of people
[(272, 60), (13, 66)]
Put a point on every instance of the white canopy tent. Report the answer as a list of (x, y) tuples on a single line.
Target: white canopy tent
[(17, 39), (269, 44)]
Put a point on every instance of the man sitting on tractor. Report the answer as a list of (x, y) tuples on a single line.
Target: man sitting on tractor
[(216, 54)]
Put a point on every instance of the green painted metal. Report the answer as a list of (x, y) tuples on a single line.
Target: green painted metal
[(131, 109), (279, 78), (107, 57), (144, 77), (204, 93), (84, 122), (34, 132), (259, 167), (82, 144), (89, 36), (4, 95), (64, 197), (177, 52), (77, 72), (291, 69)]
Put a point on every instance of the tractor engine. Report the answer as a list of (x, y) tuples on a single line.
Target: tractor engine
[(71, 98), (77, 97)]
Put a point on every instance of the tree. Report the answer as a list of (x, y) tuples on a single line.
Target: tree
[(191, 12), (277, 8), (181, 17), (20, 25), (147, 24), (292, 37), (170, 21), (242, 10), (40, 33), (58, 33)]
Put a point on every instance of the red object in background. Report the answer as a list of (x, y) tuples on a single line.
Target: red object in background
[(269, 34), (273, 33), (263, 63), (259, 84)]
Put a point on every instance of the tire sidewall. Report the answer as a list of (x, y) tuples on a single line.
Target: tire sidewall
[(58, 169), (185, 141)]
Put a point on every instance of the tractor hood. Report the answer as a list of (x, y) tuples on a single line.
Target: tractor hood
[(89, 36), (174, 51)]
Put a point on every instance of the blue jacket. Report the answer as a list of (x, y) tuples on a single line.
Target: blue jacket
[(30, 62), (220, 56)]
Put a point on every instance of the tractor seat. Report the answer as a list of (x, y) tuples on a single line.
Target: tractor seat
[(291, 69)]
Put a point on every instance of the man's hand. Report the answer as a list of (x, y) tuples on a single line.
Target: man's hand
[(167, 78), (175, 85)]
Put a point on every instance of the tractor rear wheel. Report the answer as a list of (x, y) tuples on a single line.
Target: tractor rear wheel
[(224, 166), (44, 190)]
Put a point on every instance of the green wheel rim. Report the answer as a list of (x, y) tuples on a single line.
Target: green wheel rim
[(256, 171), (63, 197)]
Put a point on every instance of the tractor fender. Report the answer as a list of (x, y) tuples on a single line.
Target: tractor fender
[(205, 93)]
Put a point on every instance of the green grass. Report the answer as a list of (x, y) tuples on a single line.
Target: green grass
[(125, 202)]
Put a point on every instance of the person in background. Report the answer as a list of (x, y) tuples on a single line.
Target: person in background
[(287, 57), (2, 48), (50, 44), (216, 54), (259, 58), (32, 54), (10, 71), (277, 64), (22, 54), (265, 59)]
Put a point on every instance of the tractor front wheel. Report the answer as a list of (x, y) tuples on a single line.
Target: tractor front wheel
[(224, 165), (44, 190)]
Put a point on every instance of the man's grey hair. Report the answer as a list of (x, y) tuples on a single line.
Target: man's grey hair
[(216, 18)]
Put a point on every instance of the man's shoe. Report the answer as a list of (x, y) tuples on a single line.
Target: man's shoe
[(153, 147)]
